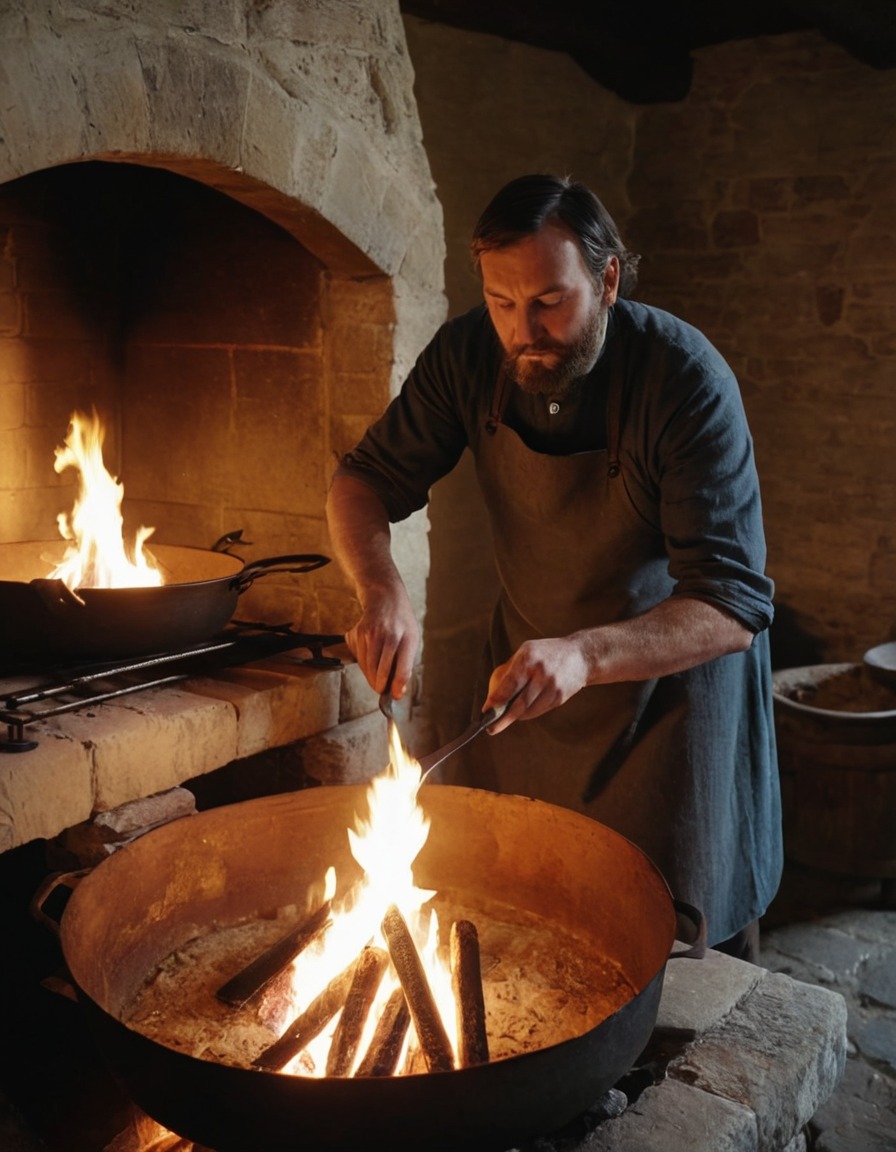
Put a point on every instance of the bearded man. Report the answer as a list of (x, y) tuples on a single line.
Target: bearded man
[(631, 630)]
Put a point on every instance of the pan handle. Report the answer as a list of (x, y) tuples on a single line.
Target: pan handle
[(56, 596), (697, 949), (291, 563)]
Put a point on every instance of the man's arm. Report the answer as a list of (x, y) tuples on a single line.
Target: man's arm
[(677, 634), (385, 639)]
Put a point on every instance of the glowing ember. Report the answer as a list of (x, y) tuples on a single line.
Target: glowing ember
[(96, 556), (385, 845)]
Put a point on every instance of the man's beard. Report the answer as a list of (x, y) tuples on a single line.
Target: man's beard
[(575, 360)]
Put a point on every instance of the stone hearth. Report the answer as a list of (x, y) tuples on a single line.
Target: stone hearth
[(96, 760)]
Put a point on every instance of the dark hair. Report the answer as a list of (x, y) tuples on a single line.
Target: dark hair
[(527, 203)]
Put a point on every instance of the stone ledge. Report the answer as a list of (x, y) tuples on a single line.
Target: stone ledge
[(108, 754), (740, 1059), (768, 1052), (674, 1117), (689, 1008)]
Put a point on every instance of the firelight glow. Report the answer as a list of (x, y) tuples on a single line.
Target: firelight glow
[(385, 845), (96, 556)]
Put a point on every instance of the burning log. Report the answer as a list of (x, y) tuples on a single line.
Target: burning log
[(431, 1033), (262, 970), (382, 1056), (369, 971), (311, 1023), (466, 982)]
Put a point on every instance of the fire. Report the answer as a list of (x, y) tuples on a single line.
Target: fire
[(385, 845), (96, 556)]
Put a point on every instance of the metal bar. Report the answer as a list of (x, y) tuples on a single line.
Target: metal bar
[(207, 658)]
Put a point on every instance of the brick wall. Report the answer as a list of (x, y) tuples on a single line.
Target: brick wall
[(765, 207)]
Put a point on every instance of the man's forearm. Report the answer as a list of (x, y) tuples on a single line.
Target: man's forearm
[(360, 535), (677, 634), (386, 637)]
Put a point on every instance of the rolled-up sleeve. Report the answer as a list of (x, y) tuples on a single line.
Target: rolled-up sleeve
[(693, 467), (422, 433)]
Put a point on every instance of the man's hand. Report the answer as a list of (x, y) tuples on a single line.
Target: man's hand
[(548, 671), (385, 639)]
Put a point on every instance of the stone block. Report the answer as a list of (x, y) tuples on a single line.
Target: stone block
[(91, 842), (740, 1059), (357, 698), (350, 754), (859, 1116), (272, 708), (153, 742), (45, 789), (691, 1007), (674, 1117)]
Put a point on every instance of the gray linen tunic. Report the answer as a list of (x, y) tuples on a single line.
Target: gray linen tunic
[(641, 486)]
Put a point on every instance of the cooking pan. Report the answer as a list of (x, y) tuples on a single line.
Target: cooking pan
[(42, 618), (234, 862)]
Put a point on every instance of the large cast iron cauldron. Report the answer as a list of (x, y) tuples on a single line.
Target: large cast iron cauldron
[(42, 618), (232, 862)]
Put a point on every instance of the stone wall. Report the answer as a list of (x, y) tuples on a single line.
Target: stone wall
[(765, 209)]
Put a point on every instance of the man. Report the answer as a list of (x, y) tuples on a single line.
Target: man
[(616, 465)]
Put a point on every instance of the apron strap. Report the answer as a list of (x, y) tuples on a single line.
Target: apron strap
[(499, 400)]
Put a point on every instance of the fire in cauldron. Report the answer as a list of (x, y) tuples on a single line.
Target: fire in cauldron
[(370, 984), (574, 929)]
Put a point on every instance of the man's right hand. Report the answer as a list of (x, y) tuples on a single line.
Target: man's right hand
[(386, 638)]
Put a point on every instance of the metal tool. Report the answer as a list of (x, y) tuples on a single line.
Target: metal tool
[(492, 716)]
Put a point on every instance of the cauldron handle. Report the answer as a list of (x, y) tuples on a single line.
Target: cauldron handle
[(697, 950), (55, 880)]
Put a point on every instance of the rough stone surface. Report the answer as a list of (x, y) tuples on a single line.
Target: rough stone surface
[(878, 981), (764, 1058), (273, 709), (740, 1059), (350, 754), (114, 753), (694, 1007), (90, 843), (675, 1117), (154, 742), (860, 1116), (47, 789)]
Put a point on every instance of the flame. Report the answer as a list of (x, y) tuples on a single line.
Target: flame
[(96, 556), (385, 844)]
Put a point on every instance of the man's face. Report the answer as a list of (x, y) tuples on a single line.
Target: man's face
[(550, 316)]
